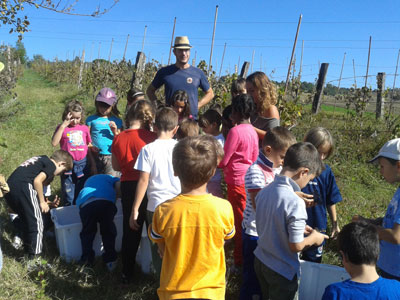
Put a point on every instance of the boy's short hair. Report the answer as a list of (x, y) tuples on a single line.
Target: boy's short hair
[(166, 119), (359, 242), (63, 156), (195, 160), (278, 138), (187, 127), (303, 155), (209, 117)]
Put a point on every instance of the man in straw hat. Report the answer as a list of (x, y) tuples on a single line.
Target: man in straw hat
[(182, 76)]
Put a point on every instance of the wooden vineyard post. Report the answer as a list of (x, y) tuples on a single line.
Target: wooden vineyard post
[(245, 70), (139, 71), (172, 42), (320, 87), (380, 100), (126, 47), (109, 55), (222, 61), (293, 51), (212, 41), (394, 85), (81, 70)]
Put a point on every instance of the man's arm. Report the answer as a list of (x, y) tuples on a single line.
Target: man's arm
[(206, 98), (151, 93), (38, 186)]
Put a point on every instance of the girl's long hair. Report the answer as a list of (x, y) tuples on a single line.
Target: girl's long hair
[(267, 95)]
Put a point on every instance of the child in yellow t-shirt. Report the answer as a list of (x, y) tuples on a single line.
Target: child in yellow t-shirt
[(191, 228)]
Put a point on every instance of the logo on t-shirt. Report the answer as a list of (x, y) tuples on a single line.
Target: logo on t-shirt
[(75, 138), (30, 161), (189, 80)]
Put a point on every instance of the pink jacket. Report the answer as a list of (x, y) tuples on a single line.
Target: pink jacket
[(241, 150)]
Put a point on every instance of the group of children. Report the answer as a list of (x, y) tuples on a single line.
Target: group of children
[(279, 194)]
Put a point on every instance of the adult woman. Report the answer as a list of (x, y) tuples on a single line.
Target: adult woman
[(264, 95)]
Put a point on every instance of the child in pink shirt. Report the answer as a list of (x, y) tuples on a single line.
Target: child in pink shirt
[(241, 150), (73, 137)]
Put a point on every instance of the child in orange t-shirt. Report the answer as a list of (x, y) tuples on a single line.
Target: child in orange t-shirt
[(191, 228)]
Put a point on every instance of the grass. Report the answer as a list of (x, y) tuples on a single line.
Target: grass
[(28, 133)]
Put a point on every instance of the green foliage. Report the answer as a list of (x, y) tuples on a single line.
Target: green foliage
[(20, 53)]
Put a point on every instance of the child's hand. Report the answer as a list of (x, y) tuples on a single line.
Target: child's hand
[(335, 230), (67, 120), (308, 230), (94, 149), (44, 207), (133, 221), (113, 128), (319, 237), (161, 249), (307, 198), (53, 204)]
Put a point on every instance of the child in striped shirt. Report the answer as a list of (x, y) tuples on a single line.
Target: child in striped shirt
[(260, 174)]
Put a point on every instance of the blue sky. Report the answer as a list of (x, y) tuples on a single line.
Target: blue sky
[(329, 28)]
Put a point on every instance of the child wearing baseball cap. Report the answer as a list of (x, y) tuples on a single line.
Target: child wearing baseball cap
[(389, 227), (104, 125)]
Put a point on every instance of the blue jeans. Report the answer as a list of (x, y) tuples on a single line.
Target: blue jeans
[(250, 285), (72, 183)]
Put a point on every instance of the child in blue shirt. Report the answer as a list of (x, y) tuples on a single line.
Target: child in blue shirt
[(325, 192), (359, 247), (104, 125), (281, 224), (261, 173), (389, 227), (96, 202)]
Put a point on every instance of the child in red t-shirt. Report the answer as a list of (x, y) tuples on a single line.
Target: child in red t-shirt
[(125, 150)]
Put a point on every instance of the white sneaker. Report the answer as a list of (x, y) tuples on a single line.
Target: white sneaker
[(111, 266), (17, 242)]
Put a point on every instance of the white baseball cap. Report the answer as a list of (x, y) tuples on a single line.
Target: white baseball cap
[(391, 149)]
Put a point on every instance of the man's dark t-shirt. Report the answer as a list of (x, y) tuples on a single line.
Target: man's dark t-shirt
[(188, 80)]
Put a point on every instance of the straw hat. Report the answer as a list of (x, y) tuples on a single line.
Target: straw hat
[(182, 42)]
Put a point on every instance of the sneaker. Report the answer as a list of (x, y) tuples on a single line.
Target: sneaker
[(111, 266), (17, 242)]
